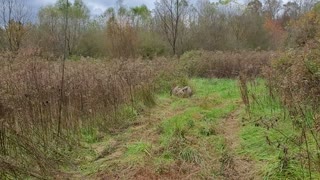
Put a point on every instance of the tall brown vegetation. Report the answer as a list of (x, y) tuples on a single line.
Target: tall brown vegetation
[(122, 39), (97, 95), (226, 64), (295, 75), (293, 96)]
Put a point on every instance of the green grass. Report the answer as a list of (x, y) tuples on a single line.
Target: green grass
[(223, 91), (189, 133), (225, 88), (138, 148), (197, 118), (220, 112), (89, 135), (268, 133), (128, 113), (177, 126), (136, 153)]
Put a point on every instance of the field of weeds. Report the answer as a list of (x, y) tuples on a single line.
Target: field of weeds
[(43, 117), (117, 119), (169, 89)]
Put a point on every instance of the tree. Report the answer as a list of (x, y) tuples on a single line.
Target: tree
[(251, 24), (255, 7), (15, 33), (170, 13), (140, 15), (51, 28), (14, 17), (272, 8), (2, 39), (91, 42), (122, 36), (291, 10), (52, 25), (305, 5), (207, 33), (78, 20), (276, 32), (305, 29)]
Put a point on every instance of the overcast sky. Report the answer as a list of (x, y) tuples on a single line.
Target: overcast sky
[(96, 6)]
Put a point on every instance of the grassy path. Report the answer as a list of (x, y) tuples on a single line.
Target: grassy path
[(195, 138), (236, 167)]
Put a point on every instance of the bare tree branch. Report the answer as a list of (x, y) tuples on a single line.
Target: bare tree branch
[(170, 13)]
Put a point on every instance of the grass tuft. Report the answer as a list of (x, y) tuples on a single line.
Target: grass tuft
[(190, 155), (138, 148)]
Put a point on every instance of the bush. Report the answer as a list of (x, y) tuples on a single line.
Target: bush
[(305, 29), (295, 76), (225, 64), (174, 75)]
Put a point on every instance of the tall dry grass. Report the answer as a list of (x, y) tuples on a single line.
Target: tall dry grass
[(226, 64), (95, 93)]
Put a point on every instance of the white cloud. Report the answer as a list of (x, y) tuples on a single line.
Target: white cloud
[(96, 8)]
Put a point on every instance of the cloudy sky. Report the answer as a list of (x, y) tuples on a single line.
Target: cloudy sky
[(96, 6)]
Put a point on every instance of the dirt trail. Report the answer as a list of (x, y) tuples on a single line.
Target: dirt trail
[(236, 167)]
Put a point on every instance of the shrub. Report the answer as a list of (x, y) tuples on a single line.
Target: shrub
[(305, 29), (295, 76), (225, 64)]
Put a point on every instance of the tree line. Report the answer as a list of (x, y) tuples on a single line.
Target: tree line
[(171, 28)]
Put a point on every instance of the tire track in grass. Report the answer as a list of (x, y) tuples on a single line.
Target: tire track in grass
[(137, 141), (147, 131), (139, 153), (233, 165)]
